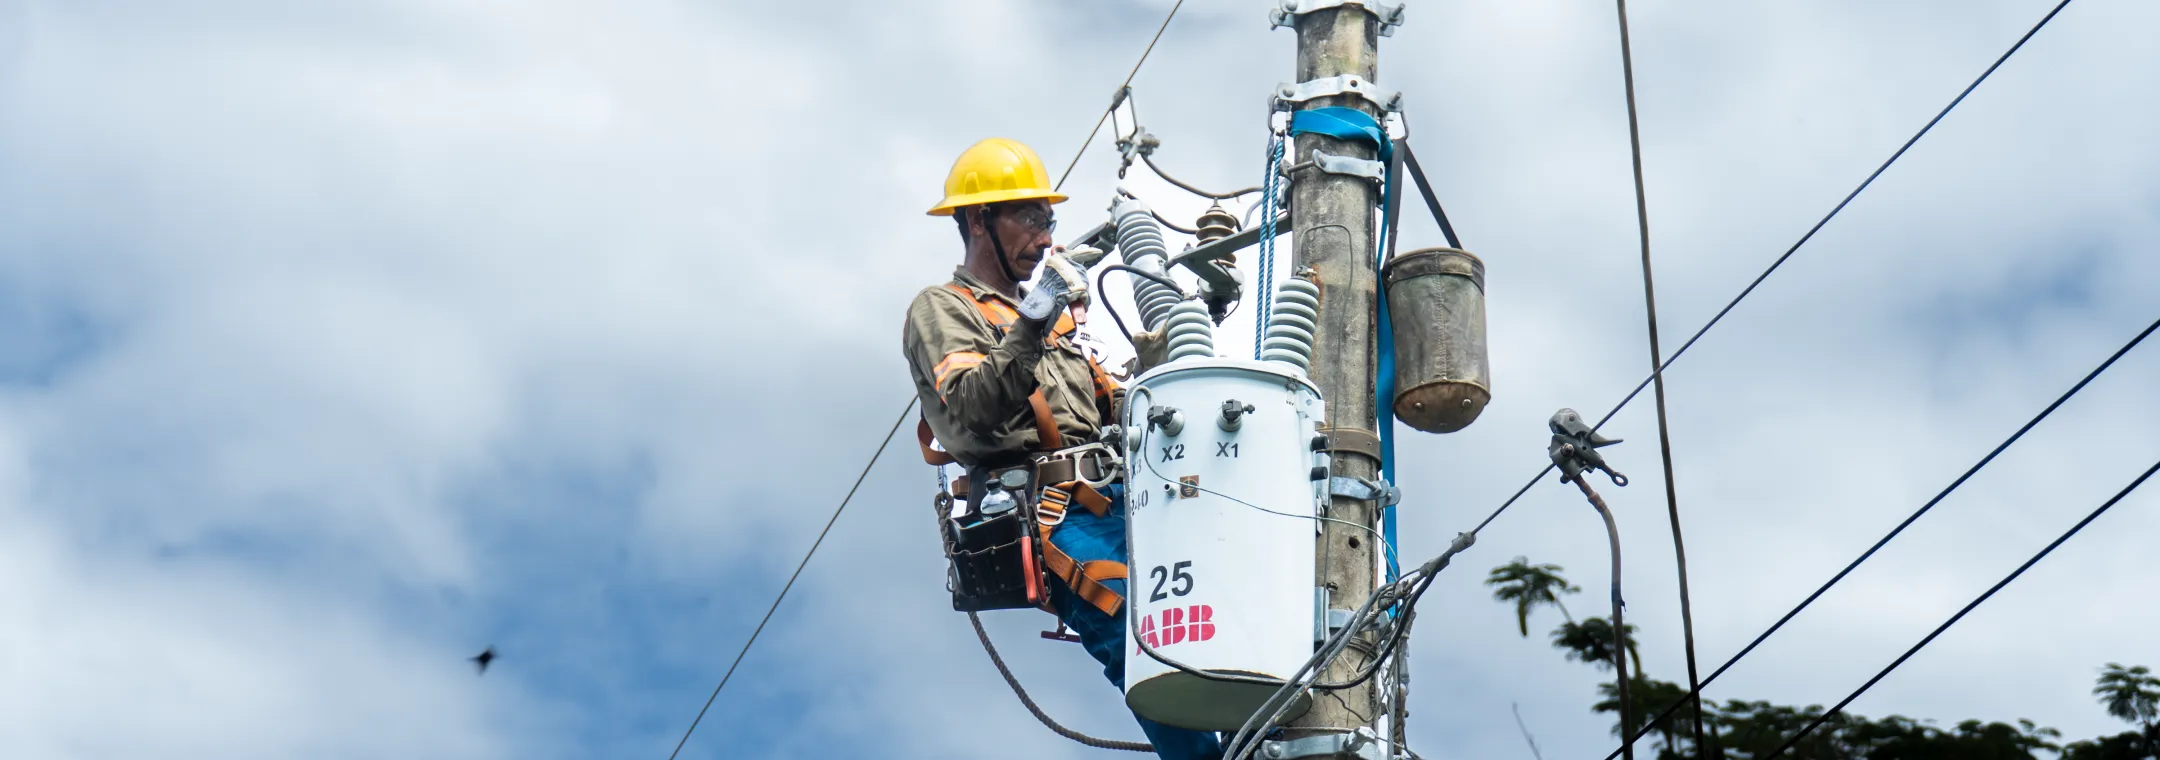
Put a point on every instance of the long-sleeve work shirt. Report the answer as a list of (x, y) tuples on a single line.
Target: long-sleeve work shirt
[(974, 375)]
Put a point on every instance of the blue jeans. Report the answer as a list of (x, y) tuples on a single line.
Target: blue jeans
[(1087, 538)]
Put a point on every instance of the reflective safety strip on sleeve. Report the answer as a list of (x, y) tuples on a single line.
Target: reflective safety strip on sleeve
[(954, 362)]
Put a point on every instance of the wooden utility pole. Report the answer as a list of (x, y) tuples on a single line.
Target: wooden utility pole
[(1332, 216)]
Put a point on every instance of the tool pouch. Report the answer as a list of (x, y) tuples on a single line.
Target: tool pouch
[(992, 543)]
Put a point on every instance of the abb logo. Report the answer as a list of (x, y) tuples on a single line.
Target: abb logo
[(1177, 625)]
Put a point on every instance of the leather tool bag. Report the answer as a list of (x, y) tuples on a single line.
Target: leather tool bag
[(994, 547)]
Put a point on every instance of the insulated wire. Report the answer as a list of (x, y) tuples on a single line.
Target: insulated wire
[(1788, 253), (1121, 95), (1036, 710), (1672, 495), (1819, 719), (1150, 161), (1969, 472), (791, 579)]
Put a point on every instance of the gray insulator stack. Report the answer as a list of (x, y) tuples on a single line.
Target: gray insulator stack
[(1291, 324), (1190, 333), (1140, 241)]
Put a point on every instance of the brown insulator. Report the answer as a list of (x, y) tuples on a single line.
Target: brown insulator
[(1215, 224)]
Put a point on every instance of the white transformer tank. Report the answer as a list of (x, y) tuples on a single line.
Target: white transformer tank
[(1215, 584)]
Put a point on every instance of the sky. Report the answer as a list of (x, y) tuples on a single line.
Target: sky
[(339, 341)]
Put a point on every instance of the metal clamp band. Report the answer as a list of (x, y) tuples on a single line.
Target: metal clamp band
[(1353, 441), (1365, 490), (1350, 165), (1362, 744), (1348, 84), (1285, 13)]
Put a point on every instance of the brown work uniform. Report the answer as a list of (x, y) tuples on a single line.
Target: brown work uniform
[(974, 375)]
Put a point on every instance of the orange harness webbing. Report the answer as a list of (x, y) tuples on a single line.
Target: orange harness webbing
[(1086, 579)]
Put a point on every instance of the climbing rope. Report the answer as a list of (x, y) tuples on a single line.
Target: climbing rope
[(1032, 709), (1264, 290)]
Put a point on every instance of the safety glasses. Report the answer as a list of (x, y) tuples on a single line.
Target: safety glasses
[(1035, 218)]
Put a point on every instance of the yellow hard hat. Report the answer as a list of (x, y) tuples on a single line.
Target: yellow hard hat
[(994, 171)]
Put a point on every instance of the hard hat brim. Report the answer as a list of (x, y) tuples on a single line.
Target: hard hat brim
[(946, 207)]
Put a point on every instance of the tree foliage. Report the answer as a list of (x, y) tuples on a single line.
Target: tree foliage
[(1529, 586), (1591, 641), (1752, 730)]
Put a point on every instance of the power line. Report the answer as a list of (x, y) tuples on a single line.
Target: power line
[(1119, 96), (1787, 255), (1969, 472), (1818, 721), (1664, 432), (791, 579), (895, 429)]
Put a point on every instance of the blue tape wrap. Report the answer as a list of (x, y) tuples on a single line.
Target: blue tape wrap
[(1351, 124)]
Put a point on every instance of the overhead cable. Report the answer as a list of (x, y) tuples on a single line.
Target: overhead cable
[(1119, 96), (1032, 708), (1930, 638), (1939, 496), (1243, 191), (910, 407), (1664, 431), (1788, 253), (791, 578)]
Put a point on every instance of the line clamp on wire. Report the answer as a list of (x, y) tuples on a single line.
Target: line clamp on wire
[(1575, 447)]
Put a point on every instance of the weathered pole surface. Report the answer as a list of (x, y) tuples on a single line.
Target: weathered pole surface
[(1332, 216)]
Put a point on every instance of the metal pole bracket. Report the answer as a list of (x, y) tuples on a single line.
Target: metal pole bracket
[(1285, 12), (1291, 93), (1362, 744), (1350, 165), (1365, 490)]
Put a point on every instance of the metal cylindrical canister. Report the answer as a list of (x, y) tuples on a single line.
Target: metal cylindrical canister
[(1436, 299), (1220, 577)]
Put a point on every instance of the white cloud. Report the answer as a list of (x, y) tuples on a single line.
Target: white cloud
[(364, 334)]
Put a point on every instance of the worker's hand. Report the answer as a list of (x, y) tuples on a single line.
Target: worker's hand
[(1085, 255), (1076, 282), (1152, 348), (1052, 292)]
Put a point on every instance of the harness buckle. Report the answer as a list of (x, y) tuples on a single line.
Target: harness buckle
[(1050, 508)]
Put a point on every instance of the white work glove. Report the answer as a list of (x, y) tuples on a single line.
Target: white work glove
[(1150, 348), (1075, 277), (1052, 292)]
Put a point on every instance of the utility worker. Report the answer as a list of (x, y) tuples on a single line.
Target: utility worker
[(1003, 385)]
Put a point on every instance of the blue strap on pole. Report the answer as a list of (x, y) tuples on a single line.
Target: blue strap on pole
[(1352, 124)]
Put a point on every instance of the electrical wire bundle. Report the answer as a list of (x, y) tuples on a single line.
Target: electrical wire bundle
[(1390, 610)]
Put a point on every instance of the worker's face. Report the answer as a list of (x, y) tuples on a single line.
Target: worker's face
[(1024, 227)]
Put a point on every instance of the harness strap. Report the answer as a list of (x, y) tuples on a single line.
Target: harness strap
[(930, 456), (1086, 579), (1047, 436), (1064, 494)]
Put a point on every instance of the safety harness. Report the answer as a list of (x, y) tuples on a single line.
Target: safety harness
[(1058, 475)]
